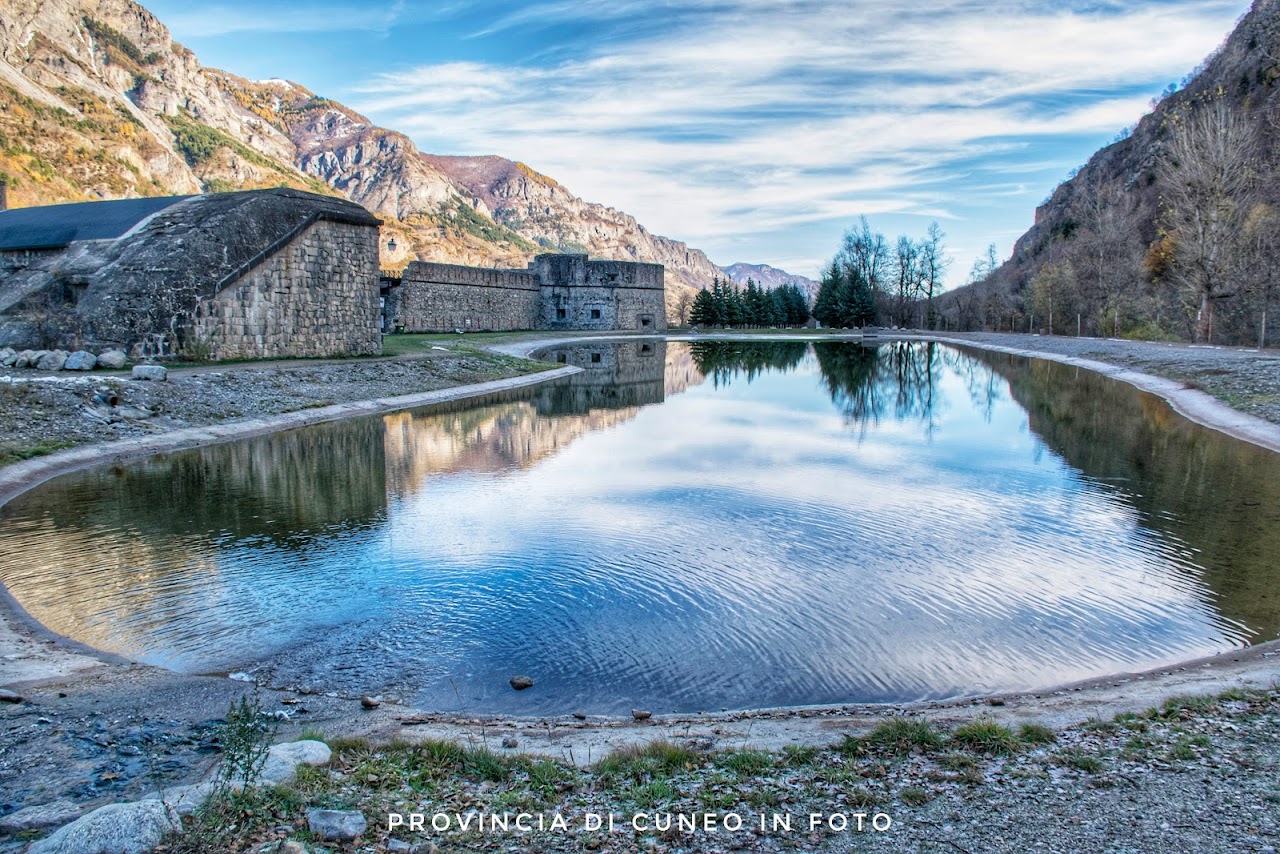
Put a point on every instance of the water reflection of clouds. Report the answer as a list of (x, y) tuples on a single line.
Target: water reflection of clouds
[(993, 547), (744, 543)]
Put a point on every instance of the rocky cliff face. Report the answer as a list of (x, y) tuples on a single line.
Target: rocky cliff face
[(97, 101)]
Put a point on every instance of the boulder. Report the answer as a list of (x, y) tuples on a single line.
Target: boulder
[(112, 359), (336, 825), (156, 373), (284, 759), (80, 360), (23, 359), (184, 799), (53, 360), (41, 816), (114, 829), (7, 357), (521, 682)]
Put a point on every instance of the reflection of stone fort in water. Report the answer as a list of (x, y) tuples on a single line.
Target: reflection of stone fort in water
[(618, 378)]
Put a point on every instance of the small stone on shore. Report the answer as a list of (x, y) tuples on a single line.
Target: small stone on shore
[(336, 825), (155, 373), (641, 715), (7, 696), (370, 702)]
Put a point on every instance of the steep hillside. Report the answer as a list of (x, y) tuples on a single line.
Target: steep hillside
[(1170, 231), (771, 277), (97, 101)]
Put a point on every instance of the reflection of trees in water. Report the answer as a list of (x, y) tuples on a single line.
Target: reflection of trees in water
[(723, 361), (1213, 499), (985, 386), (866, 383), (899, 377)]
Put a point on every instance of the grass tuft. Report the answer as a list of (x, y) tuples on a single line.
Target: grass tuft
[(903, 735), (655, 760), (1036, 734), (986, 736)]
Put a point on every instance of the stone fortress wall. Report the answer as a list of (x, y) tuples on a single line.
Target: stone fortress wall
[(312, 298), (444, 297), (558, 291)]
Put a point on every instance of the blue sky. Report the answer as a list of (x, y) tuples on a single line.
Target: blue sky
[(756, 130)]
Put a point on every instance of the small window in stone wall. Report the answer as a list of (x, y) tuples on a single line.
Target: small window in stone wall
[(595, 314), (561, 314), (562, 357), (595, 358)]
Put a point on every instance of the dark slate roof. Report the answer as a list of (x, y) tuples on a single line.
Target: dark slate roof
[(55, 226)]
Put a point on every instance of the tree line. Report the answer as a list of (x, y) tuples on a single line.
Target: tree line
[(870, 281), (726, 304)]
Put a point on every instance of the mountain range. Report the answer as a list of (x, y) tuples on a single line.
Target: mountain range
[(97, 101)]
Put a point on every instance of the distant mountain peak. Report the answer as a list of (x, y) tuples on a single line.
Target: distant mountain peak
[(770, 277)]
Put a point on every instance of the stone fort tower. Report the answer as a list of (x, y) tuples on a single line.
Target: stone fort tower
[(557, 291)]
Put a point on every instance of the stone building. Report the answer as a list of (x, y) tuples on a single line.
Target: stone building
[(263, 273), (557, 291)]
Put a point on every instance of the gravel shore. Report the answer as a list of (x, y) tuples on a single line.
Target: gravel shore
[(1247, 379), (44, 412)]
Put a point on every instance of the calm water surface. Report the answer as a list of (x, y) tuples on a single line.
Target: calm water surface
[(682, 527)]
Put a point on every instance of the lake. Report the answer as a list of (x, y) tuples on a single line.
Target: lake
[(681, 527)]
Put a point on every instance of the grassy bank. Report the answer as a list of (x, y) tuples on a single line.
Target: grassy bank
[(904, 769)]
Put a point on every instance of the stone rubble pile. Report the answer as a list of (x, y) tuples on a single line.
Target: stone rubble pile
[(61, 360)]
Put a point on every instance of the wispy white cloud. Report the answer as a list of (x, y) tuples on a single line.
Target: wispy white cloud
[(715, 119), (218, 20)]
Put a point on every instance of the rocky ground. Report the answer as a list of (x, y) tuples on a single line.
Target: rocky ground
[(1193, 774), (44, 412)]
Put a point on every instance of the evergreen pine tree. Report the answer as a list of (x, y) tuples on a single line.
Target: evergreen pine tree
[(704, 309), (827, 307)]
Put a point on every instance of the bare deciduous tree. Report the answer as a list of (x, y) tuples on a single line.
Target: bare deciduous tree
[(1208, 173), (932, 266)]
